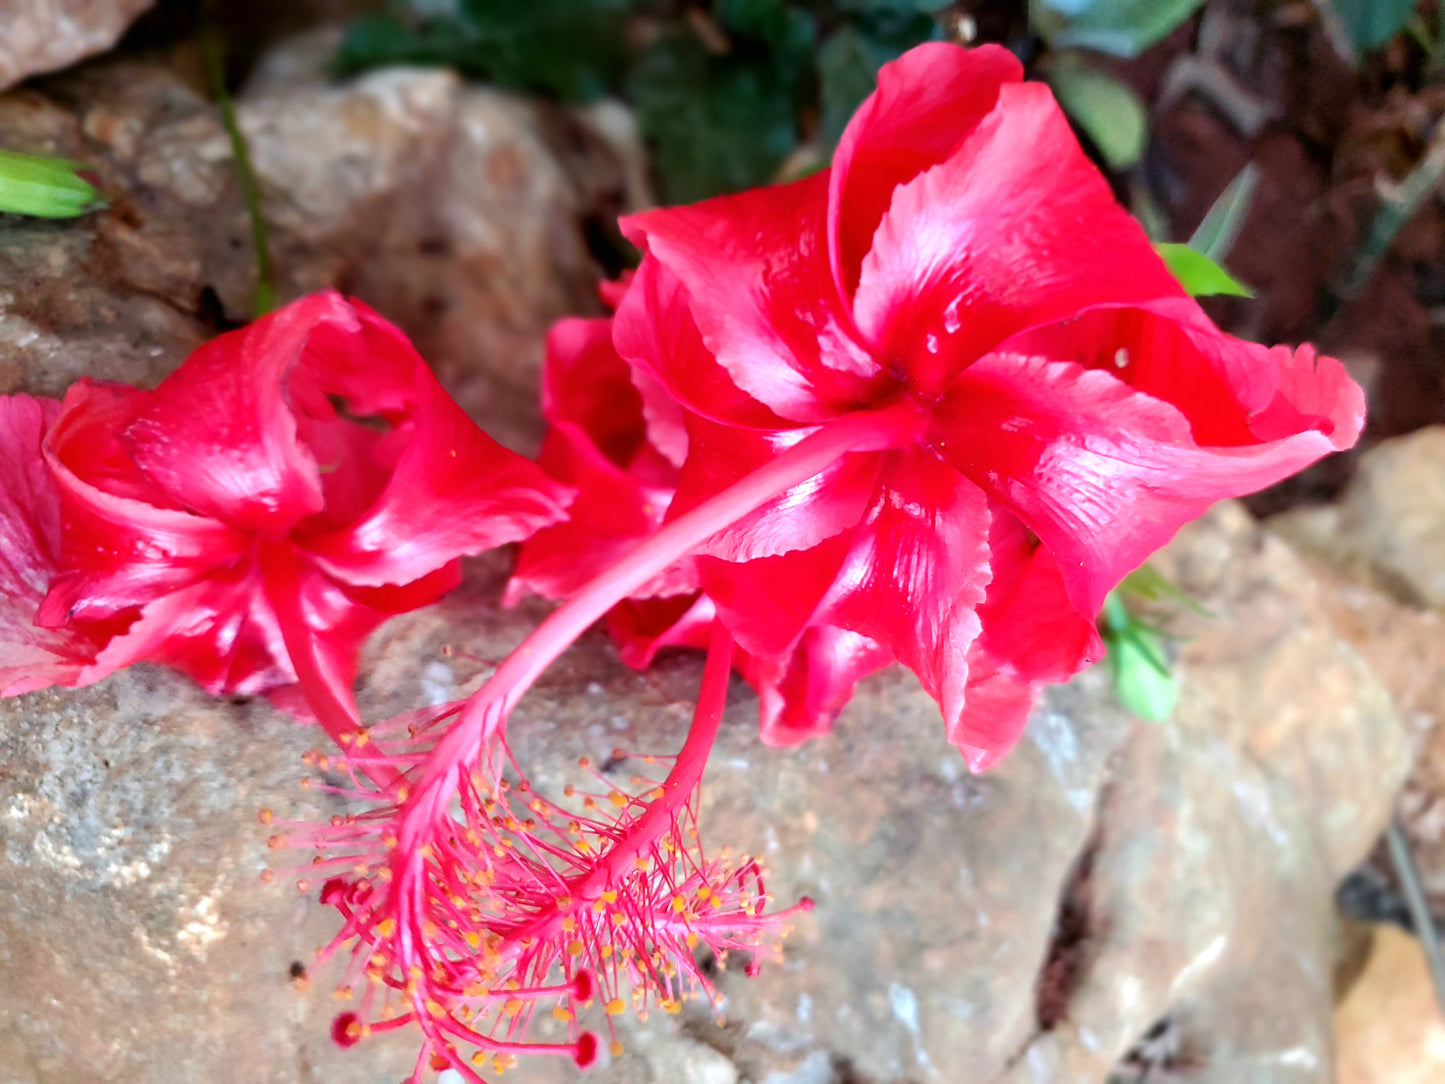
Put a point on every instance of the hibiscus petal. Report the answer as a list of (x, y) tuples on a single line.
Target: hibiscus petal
[(218, 434), (831, 501), (927, 102), (1015, 230), (673, 369), (642, 627), (769, 603), (917, 571), (999, 706), (1031, 635), (453, 491), (1102, 474), (755, 270), (598, 444), (31, 657), (120, 551), (800, 695)]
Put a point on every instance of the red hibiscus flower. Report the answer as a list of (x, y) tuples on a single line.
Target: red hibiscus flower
[(252, 519), (1072, 407), (625, 472)]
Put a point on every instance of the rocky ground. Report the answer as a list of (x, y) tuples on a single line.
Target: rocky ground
[(1119, 901)]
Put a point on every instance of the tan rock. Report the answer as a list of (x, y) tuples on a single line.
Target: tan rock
[(1390, 1029), (46, 35)]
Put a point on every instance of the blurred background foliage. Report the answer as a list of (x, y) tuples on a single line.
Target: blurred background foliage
[(735, 93)]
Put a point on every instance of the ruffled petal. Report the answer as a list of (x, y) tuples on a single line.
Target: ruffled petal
[(1031, 635), (755, 271), (927, 102), (642, 627), (1104, 475), (833, 500), (917, 572), (801, 694), (453, 489), (598, 443), (218, 435), (120, 550), (31, 657), (674, 371), (1015, 230)]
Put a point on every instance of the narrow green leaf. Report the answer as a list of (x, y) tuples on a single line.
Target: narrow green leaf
[(1220, 229), (1148, 583), (45, 187), (1109, 111), (1197, 273)]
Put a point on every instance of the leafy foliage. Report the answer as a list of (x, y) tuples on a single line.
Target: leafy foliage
[(724, 91), (1143, 680), (1119, 27), (1371, 23)]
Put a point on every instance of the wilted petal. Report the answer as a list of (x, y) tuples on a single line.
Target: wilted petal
[(1017, 229), (927, 102), (755, 271)]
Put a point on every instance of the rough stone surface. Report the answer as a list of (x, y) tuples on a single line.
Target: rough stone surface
[(1390, 523), (46, 35), (1381, 552), (1122, 872), (1221, 835)]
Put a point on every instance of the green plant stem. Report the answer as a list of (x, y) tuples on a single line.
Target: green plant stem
[(250, 190)]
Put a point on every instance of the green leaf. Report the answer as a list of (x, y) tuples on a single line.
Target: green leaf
[(848, 67), (717, 124), (1371, 23), (1119, 27), (1219, 230), (1143, 681), (1197, 273), (45, 187), (926, 7), (560, 47), (1108, 110)]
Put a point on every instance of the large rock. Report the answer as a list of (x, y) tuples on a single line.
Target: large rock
[(1382, 550), (1206, 909), (448, 208), (1027, 925), (46, 35)]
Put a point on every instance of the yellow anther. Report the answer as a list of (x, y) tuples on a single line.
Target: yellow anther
[(386, 927), (678, 903), (574, 948), (616, 1007), (617, 798), (560, 1013), (615, 1049)]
